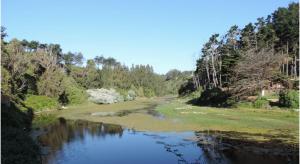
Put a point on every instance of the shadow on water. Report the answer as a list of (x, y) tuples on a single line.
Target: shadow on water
[(93, 142), (238, 148)]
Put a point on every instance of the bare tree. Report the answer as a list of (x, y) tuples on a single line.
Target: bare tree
[(255, 71)]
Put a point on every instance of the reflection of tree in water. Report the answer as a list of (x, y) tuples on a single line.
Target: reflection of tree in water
[(234, 147), (67, 131), (211, 147)]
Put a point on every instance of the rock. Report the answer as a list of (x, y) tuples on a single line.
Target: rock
[(104, 96)]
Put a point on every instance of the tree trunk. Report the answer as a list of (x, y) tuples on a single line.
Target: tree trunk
[(287, 63), (207, 71), (295, 67), (214, 71), (220, 73)]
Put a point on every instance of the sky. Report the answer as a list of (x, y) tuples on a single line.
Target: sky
[(167, 34)]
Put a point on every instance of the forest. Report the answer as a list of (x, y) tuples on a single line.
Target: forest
[(256, 66), (247, 61)]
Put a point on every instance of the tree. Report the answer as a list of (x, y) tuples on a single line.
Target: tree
[(99, 60), (33, 45), (14, 60), (73, 58), (172, 74), (93, 79), (50, 83), (255, 71), (3, 33)]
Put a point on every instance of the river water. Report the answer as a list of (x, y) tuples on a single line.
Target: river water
[(81, 142)]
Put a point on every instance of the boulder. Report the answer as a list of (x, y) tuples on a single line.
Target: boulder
[(104, 96)]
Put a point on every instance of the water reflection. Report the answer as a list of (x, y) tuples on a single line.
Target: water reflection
[(78, 142), (64, 132)]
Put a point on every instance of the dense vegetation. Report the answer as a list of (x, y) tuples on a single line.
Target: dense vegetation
[(37, 72), (246, 61)]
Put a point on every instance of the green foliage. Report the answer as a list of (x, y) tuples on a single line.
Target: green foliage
[(213, 97), (39, 103), (197, 93), (187, 88), (261, 102), (49, 83), (5, 84), (289, 99), (149, 92), (73, 93), (234, 59), (43, 120)]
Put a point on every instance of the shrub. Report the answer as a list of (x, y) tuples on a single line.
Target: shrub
[(130, 95), (296, 85), (38, 102), (140, 91), (149, 92), (261, 102), (187, 88), (73, 94), (197, 93), (289, 99), (214, 97)]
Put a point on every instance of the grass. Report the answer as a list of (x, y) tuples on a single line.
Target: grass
[(254, 121), (40, 103), (179, 116), (42, 120)]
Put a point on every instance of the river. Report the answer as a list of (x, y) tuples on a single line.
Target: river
[(82, 142)]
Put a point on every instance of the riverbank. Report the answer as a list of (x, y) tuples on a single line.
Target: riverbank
[(172, 114)]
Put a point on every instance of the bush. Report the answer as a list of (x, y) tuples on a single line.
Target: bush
[(261, 102), (130, 95), (289, 99), (37, 102), (140, 92), (149, 92), (214, 97), (197, 93), (296, 85), (72, 94), (187, 88)]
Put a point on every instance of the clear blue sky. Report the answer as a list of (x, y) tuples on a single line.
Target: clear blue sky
[(166, 34)]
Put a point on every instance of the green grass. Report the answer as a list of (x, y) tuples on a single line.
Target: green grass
[(280, 124), (255, 121), (43, 120), (39, 103)]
